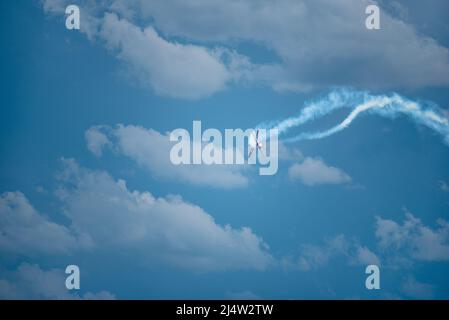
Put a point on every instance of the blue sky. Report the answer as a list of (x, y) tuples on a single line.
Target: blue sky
[(84, 171)]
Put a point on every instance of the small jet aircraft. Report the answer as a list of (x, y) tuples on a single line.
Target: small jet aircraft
[(254, 143)]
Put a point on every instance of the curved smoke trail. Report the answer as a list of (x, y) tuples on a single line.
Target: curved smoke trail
[(426, 114)]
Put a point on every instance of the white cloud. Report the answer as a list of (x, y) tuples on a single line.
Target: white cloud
[(108, 215), (315, 48), (415, 239), (313, 257), (364, 256), (319, 43), (170, 68), (313, 171), (173, 69), (31, 282), (25, 231), (96, 140), (151, 150), (167, 230)]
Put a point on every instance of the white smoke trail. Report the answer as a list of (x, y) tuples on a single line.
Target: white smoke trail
[(426, 114)]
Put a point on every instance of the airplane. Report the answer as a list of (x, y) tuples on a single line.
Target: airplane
[(254, 143)]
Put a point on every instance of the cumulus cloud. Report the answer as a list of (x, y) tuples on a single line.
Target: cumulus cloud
[(313, 171), (96, 140), (151, 150), (365, 256), (170, 68), (23, 230), (314, 256), (173, 69), (106, 214), (414, 239), (168, 230), (314, 48), (29, 281), (317, 47)]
